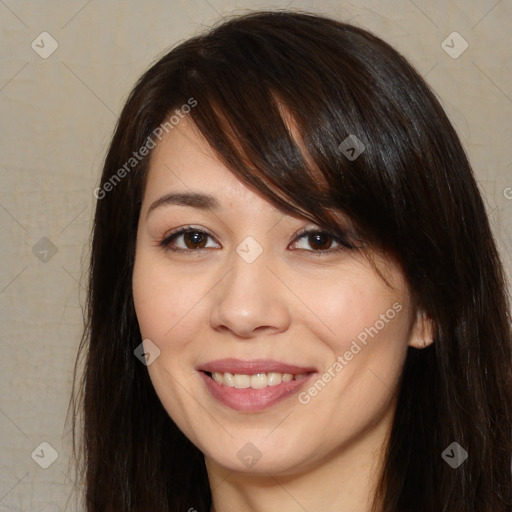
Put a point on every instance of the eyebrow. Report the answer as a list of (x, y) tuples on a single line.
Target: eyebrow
[(192, 199)]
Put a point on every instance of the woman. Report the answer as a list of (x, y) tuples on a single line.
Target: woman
[(296, 302)]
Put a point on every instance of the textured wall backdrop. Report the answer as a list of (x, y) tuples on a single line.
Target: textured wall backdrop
[(67, 67)]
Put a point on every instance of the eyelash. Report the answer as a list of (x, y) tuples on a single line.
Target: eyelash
[(165, 243)]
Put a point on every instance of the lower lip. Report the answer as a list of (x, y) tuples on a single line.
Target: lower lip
[(252, 400)]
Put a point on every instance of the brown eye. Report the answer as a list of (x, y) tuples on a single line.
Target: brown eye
[(189, 239), (320, 241), (195, 239)]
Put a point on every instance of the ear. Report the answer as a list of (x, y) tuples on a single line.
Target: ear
[(422, 331)]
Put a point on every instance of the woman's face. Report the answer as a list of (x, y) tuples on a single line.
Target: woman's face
[(277, 351)]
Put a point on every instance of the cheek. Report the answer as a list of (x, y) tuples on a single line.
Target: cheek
[(368, 358), (164, 301), (167, 306), (365, 326), (361, 309)]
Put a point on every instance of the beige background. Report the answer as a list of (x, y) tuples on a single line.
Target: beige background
[(57, 115)]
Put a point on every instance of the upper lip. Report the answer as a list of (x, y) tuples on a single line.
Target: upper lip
[(253, 366)]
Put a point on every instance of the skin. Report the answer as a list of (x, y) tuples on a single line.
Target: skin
[(293, 304)]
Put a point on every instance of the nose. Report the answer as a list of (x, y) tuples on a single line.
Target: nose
[(250, 301)]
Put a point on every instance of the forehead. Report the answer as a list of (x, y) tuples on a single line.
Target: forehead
[(183, 160), (183, 146)]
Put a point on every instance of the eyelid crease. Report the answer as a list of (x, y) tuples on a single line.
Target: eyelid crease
[(165, 242), (343, 237)]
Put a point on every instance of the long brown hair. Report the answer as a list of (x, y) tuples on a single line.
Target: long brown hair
[(411, 192)]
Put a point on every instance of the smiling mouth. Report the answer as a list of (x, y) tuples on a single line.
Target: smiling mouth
[(253, 385), (254, 381), (254, 392)]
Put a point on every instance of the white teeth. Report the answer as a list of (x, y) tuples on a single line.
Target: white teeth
[(217, 377), (259, 380), (274, 379), (242, 381), (255, 381), (228, 380)]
